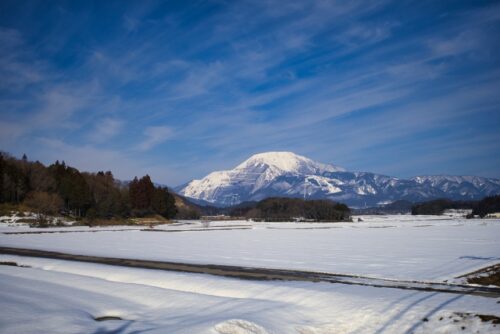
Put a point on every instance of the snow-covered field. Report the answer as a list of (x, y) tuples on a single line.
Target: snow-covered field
[(398, 247), (55, 296)]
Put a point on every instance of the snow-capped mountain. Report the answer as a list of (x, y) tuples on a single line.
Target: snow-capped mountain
[(287, 174)]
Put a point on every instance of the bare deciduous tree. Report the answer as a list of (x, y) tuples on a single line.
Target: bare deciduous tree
[(43, 204)]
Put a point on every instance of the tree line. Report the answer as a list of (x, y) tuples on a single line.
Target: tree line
[(59, 188), (479, 208), (286, 209)]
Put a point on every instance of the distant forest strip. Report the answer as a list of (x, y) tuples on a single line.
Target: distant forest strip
[(286, 209), (58, 188), (480, 208)]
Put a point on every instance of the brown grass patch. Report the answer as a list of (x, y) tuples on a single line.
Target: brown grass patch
[(489, 318), (486, 276)]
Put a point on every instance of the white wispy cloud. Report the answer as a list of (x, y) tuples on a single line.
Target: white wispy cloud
[(18, 66), (105, 129), (155, 135)]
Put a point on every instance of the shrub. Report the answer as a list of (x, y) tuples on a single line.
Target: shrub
[(43, 204)]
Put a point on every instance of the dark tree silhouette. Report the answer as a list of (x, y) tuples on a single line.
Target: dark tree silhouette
[(91, 195)]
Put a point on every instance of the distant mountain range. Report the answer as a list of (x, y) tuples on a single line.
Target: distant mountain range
[(286, 174)]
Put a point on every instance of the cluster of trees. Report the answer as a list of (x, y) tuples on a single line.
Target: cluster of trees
[(487, 205), (145, 198), (281, 209), (64, 189), (437, 207)]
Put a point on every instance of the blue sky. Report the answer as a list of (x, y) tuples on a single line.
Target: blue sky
[(179, 89)]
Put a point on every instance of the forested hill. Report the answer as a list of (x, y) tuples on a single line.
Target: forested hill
[(289, 209), (61, 188), (482, 208)]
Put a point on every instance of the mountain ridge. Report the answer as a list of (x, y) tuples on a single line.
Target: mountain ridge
[(286, 174)]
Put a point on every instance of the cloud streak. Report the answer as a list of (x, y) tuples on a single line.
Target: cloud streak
[(155, 135), (105, 129)]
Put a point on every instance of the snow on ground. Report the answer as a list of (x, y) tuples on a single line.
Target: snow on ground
[(399, 247), (23, 219), (23, 228), (56, 296)]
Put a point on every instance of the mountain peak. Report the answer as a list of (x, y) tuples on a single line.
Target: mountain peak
[(287, 162)]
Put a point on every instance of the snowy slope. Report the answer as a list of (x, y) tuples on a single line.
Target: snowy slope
[(291, 175), (64, 297)]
